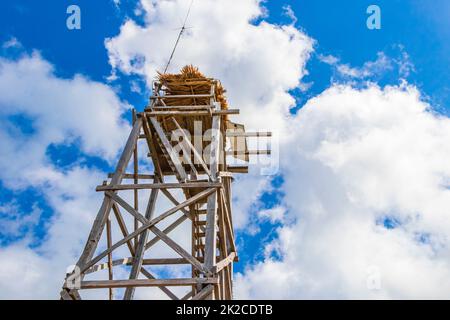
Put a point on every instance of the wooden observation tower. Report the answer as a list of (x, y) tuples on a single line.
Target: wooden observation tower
[(187, 137)]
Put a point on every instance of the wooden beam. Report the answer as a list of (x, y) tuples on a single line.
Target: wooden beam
[(110, 266), (179, 96), (192, 113), (225, 262), (249, 152), (247, 134), (131, 176), (181, 108), (211, 216), (158, 186), (99, 284), (146, 262), (228, 224), (237, 169)]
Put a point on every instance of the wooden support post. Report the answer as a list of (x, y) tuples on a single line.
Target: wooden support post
[(211, 230), (135, 180), (110, 265)]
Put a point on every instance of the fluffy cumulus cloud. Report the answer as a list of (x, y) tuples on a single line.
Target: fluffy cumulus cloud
[(366, 181), (37, 110)]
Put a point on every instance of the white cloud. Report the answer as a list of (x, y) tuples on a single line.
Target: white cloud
[(16, 224), (382, 65), (12, 43), (288, 12), (54, 111), (355, 157), (58, 111), (275, 214)]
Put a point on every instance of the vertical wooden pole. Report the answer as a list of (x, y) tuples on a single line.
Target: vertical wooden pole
[(110, 266), (211, 229), (136, 181)]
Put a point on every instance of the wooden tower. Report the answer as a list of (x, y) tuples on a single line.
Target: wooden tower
[(187, 136)]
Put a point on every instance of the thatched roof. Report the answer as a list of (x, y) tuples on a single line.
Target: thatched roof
[(191, 81)]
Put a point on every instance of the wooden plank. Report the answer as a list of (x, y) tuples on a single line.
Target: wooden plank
[(225, 174), (211, 230), (131, 176), (237, 169), (135, 179), (110, 266), (249, 152), (228, 223), (158, 186), (182, 108), (225, 262), (247, 134), (129, 261), (178, 96), (192, 113), (100, 284)]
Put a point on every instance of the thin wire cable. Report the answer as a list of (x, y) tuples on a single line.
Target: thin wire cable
[(179, 37)]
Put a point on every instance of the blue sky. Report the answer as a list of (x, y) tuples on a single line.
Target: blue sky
[(413, 31)]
